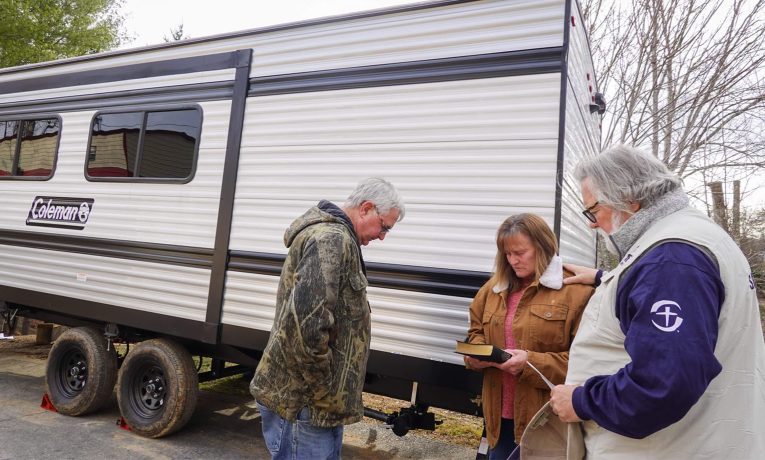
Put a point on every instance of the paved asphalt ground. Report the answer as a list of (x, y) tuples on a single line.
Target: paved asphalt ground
[(223, 427)]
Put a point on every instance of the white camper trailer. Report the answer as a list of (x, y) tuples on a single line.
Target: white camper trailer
[(146, 192)]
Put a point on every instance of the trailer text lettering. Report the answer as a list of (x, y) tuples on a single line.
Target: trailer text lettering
[(60, 212)]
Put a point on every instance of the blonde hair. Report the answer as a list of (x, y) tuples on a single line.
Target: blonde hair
[(541, 236)]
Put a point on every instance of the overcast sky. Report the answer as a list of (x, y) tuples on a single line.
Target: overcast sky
[(148, 21)]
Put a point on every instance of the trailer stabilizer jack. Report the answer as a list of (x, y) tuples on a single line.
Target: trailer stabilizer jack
[(415, 417)]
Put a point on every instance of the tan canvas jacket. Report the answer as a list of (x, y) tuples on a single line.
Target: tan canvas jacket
[(544, 325)]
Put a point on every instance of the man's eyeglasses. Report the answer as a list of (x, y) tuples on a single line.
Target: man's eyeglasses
[(589, 214), (383, 228)]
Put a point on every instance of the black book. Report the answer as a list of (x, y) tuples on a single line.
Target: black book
[(482, 352)]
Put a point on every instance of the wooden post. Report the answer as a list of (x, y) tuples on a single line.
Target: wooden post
[(44, 333), (719, 210)]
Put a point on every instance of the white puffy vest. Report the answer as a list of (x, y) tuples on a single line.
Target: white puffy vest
[(728, 422)]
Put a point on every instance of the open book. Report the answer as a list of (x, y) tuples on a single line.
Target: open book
[(482, 352)]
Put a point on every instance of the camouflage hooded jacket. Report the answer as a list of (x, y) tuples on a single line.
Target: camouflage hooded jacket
[(317, 353)]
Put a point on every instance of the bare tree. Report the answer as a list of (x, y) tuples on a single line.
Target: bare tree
[(684, 79), (175, 34)]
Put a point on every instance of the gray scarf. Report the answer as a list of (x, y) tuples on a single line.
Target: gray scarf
[(636, 225)]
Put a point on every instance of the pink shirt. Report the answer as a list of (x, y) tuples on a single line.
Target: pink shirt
[(509, 380)]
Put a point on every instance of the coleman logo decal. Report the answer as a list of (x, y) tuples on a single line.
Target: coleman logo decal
[(668, 313), (60, 212)]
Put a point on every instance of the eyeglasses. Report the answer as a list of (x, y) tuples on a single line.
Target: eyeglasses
[(383, 228), (589, 214)]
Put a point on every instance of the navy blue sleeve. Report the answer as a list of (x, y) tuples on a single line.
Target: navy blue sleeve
[(668, 305)]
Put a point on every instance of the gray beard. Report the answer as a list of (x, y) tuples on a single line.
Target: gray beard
[(609, 244), (624, 236), (616, 224)]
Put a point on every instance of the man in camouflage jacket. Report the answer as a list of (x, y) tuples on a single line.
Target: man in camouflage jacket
[(309, 381)]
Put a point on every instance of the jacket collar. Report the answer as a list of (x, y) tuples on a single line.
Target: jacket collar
[(552, 277)]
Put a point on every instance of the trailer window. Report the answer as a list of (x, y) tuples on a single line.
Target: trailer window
[(144, 145), (28, 147), (113, 144), (8, 137)]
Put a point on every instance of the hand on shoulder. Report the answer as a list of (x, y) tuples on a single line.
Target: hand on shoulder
[(582, 275)]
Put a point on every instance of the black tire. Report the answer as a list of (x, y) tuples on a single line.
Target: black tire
[(80, 373), (157, 388)]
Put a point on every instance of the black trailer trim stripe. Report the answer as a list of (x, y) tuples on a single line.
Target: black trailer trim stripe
[(227, 195), (524, 62), (171, 94), (458, 283), (245, 33), (127, 72), (388, 364), (440, 384), (95, 311), (557, 224), (150, 252)]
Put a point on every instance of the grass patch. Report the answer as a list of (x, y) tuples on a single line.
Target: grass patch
[(458, 428), (233, 385)]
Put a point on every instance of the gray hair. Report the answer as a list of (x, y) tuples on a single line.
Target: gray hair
[(380, 192), (623, 174)]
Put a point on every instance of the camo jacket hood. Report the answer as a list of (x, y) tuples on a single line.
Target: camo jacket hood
[(317, 352)]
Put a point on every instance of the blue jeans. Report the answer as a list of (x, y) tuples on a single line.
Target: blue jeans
[(506, 443), (299, 440)]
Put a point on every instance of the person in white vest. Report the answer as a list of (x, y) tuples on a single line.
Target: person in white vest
[(669, 358)]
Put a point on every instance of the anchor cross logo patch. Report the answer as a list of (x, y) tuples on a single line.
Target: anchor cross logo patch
[(665, 315)]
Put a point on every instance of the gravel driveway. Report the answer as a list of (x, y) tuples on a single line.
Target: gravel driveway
[(223, 426)]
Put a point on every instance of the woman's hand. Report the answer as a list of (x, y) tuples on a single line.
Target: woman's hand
[(476, 363), (515, 364), (582, 275)]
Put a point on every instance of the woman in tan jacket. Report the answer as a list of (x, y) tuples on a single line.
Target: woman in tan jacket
[(526, 310)]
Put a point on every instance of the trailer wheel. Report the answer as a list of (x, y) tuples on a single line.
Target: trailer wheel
[(157, 388), (80, 372)]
